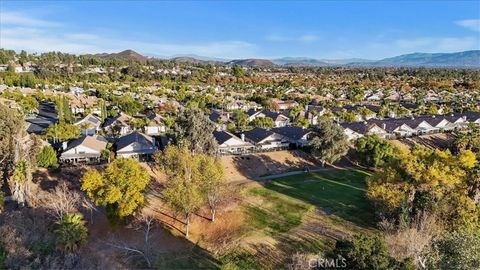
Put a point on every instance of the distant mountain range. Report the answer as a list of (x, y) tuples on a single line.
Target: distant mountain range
[(470, 59), (305, 61), (467, 59)]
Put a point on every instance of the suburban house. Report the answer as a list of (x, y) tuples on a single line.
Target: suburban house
[(265, 140), (86, 149), (118, 126), (229, 144), (46, 116), (313, 112), (279, 119), (410, 126), (89, 125), (473, 117), (296, 135), (80, 103), (359, 129), (220, 119), (155, 126), (254, 113), (136, 145), (285, 104)]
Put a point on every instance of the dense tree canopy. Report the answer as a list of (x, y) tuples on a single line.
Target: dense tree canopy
[(195, 130), (365, 252), (62, 132), (426, 180), (374, 151), (329, 142), (263, 122), (120, 188)]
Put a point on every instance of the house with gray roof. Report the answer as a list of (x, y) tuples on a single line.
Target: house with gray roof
[(229, 144), (86, 149), (136, 145), (119, 125), (265, 140), (296, 135), (89, 125)]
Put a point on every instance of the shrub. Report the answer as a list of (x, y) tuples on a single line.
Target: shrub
[(47, 158), (71, 232)]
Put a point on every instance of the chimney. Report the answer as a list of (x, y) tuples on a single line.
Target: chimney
[(228, 116), (384, 126), (64, 145), (242, 136), (306, 108)]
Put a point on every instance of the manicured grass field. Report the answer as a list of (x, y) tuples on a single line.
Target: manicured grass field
[(337, 192), (340, 193), (282, 205)]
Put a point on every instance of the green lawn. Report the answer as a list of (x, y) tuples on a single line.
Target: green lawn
[(282, 204), (341, 193), (279, 214)]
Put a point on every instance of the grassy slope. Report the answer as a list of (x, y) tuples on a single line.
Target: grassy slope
[(289, 211)]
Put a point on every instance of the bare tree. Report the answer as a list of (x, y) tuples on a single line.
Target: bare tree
[(88, 205), (412, 241), (62, 201), (144, 224)]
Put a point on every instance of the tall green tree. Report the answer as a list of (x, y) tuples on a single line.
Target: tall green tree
[(374, 151), (11, 124), (329, 143), (212, 182), (263, 122), (195, 130), (62, 132), (192, 180), (47, 157), (182, 190)]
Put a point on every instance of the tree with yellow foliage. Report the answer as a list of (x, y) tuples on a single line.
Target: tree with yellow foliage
[(192, 180), (421, 180), (120, 188)]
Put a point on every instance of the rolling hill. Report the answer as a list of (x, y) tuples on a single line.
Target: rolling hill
[(252, 62), (128, 55)]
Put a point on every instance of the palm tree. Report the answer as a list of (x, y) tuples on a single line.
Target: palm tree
[(71, 232)]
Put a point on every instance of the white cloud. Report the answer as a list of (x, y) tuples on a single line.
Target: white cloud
[(22, 32), (283, 38), (472, 24), (275, 37), (82, 36), (21, 19), (309, 38)]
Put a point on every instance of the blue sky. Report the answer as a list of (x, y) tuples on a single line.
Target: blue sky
[(242, 29)]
